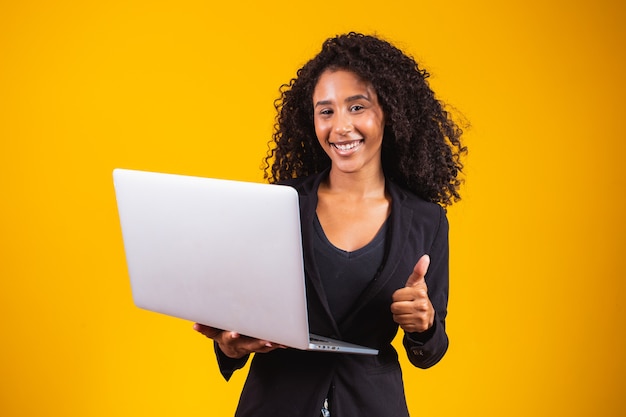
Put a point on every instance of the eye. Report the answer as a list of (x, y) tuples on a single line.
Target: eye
[(326, 112), (356, 108)]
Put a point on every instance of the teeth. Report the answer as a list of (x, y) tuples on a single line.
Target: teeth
[(346, 146)]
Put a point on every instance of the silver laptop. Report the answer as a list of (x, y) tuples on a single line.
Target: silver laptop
[(227, 254)]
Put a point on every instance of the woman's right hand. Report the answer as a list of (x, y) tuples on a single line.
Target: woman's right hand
[(235, 345)]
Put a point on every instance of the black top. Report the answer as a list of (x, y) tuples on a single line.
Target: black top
[(346, 274)]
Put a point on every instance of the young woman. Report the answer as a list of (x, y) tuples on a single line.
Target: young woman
[(375, 158)]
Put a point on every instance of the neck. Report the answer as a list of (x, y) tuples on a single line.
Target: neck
[(361, 184)]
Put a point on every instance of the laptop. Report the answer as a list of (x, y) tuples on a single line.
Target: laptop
[(224, 253)]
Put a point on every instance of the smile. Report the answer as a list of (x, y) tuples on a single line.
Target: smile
[(347, 146)]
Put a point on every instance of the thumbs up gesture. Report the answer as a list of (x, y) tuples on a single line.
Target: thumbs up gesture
[(411, 307)]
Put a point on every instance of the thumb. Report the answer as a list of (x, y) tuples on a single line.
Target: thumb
[(419, 271)]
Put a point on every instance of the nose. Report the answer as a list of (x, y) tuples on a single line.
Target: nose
[(343, 124)]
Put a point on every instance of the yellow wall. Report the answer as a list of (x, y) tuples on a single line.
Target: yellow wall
[(537, 302)]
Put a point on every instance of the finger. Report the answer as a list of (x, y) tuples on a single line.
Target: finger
[(208, 331), (410, 307), (419, 272), (413, 321), (406, 321), (259, 346), (264, 345), (405, 294), (270, 345), (233, 335), (273, 346)]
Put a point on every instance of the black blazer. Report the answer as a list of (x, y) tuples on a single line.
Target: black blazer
[(290, 382)]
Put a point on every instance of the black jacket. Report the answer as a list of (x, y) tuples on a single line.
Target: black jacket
[(288, 383)]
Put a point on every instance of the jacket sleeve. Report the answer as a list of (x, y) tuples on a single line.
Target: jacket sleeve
[(426, 349), (228, 365)]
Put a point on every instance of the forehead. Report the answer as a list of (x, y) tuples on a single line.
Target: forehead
[(333, 81)]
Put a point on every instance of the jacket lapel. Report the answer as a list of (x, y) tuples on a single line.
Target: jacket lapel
[(308, 206)]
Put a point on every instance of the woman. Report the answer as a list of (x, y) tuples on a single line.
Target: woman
[(374, 157)]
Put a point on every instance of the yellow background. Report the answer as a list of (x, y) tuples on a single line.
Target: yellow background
[(537, 300)]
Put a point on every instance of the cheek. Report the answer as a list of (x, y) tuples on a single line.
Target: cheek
[(321, 131), (378, 124), (374, 127)]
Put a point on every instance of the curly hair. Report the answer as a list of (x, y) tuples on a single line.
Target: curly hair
[(421, 143)]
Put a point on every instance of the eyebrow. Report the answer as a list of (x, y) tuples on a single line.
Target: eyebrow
[(348, 100)]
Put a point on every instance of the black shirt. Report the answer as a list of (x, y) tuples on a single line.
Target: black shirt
[(346, 274)]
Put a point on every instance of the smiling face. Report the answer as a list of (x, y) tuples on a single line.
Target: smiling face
[(349, 121)]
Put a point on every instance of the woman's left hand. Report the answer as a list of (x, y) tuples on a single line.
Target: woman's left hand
[(411, 307), (234, 345)]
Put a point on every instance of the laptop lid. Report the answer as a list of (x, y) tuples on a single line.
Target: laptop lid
[(227, 254)]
